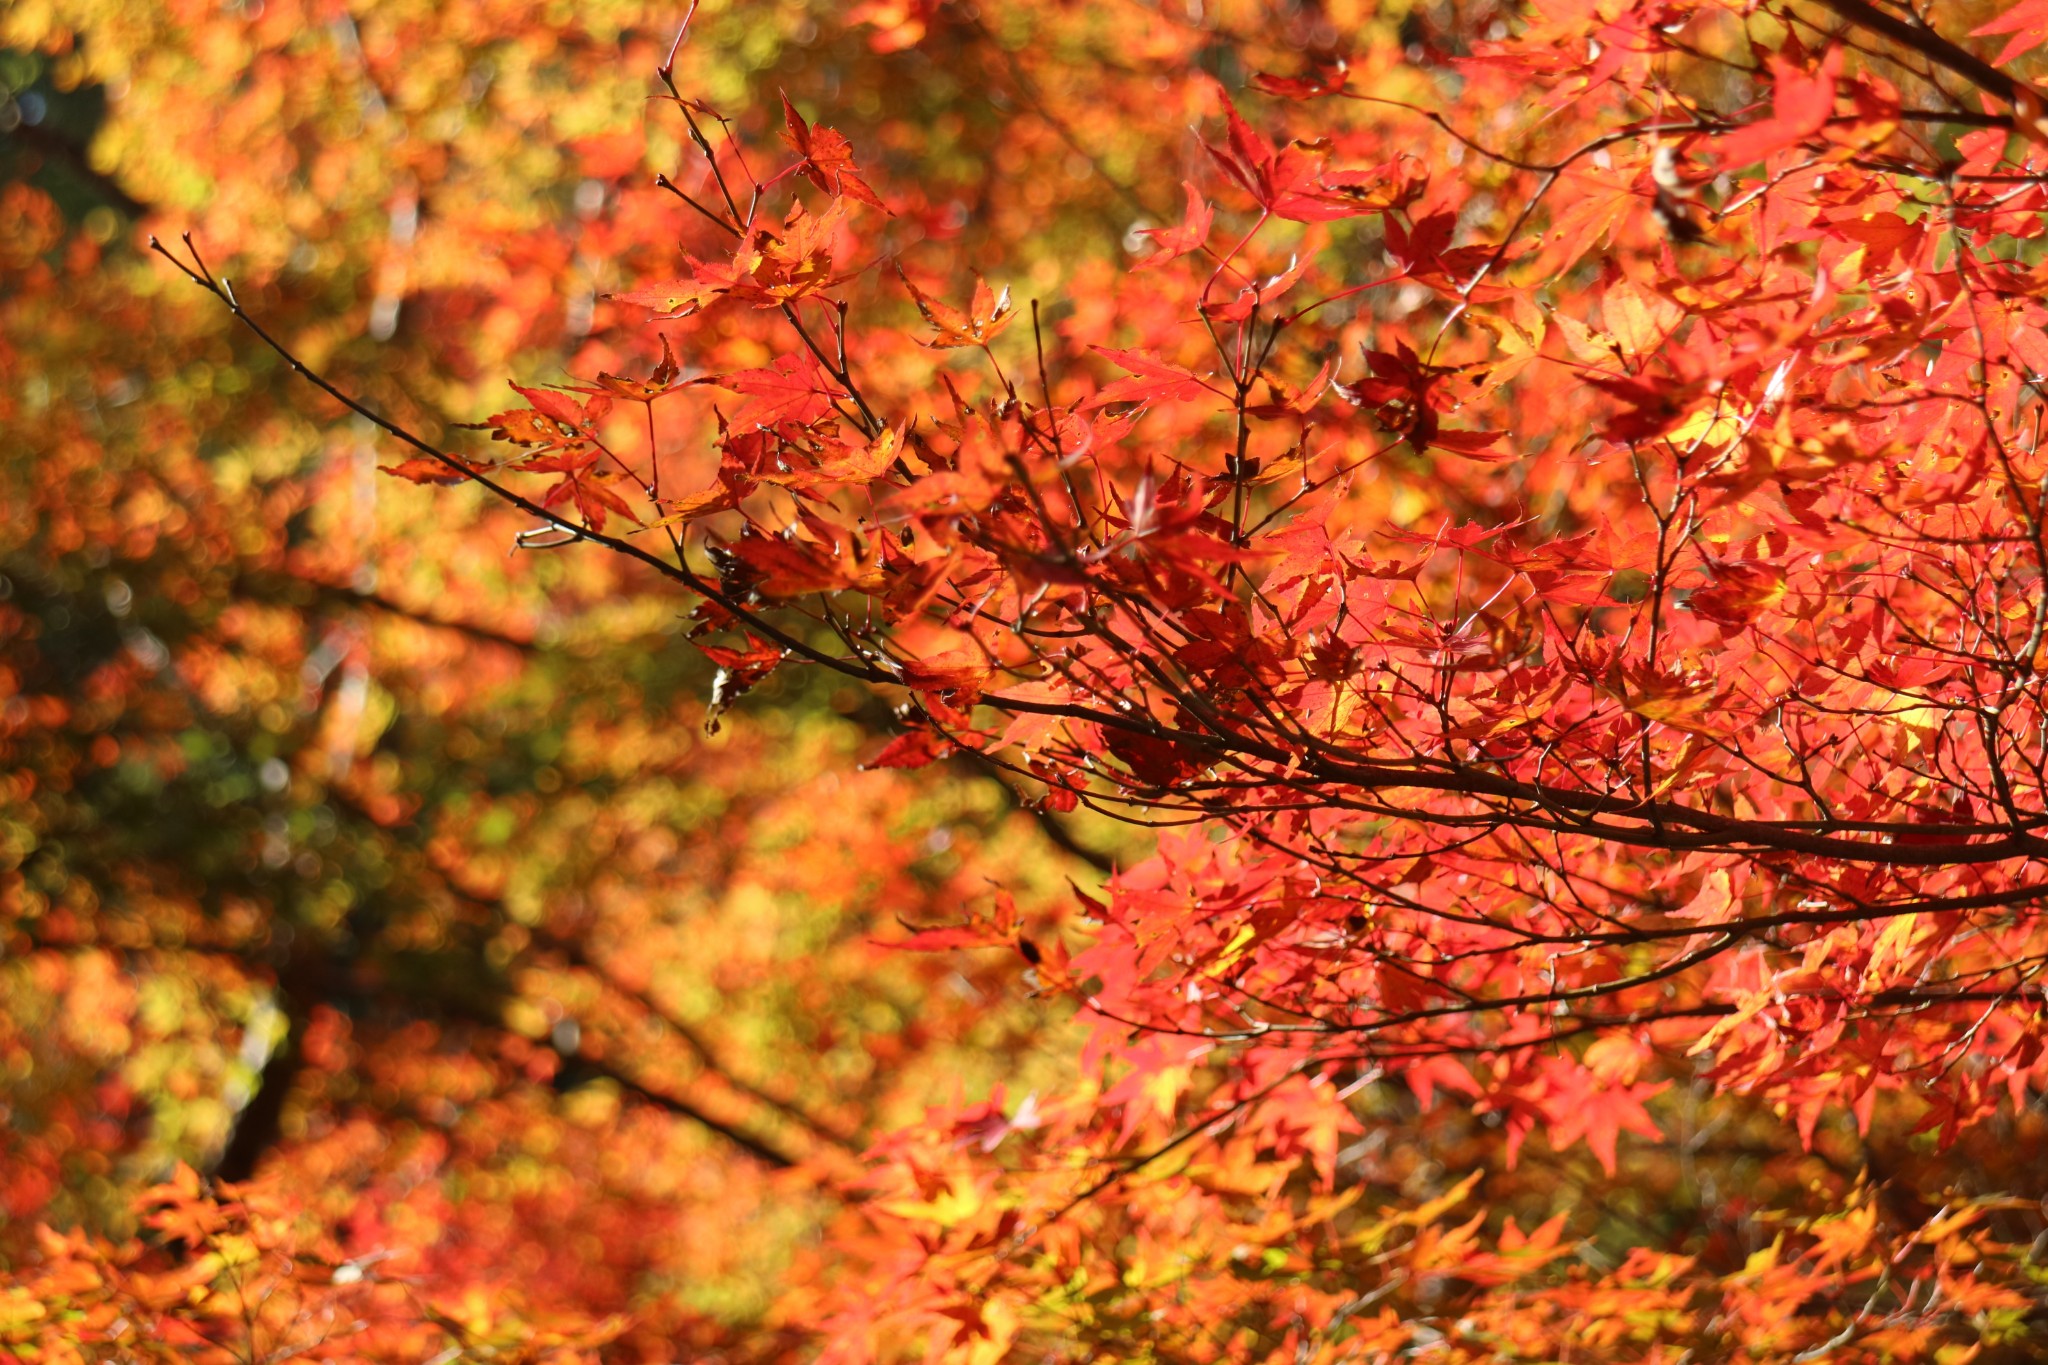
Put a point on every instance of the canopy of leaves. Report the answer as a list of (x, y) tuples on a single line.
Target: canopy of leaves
[(1269, 681)]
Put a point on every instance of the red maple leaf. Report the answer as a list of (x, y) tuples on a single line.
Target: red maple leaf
[(827, 158)]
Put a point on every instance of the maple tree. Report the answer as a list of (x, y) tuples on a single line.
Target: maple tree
[(1539, 521)]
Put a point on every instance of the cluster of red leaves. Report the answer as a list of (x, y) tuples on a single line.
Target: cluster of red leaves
[(1696, 712), (1568, 583)]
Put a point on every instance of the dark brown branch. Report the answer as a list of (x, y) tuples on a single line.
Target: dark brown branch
[(265, 586), (1048, 823), (260, 1125), (757, 1147), (1930, 45), (576, 955), (1592, 814), (752, 1144)]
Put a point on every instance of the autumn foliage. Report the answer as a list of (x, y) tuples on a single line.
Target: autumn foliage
[(1285, 681)]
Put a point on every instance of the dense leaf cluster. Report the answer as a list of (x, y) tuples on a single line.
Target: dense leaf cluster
[(1537, 527)]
